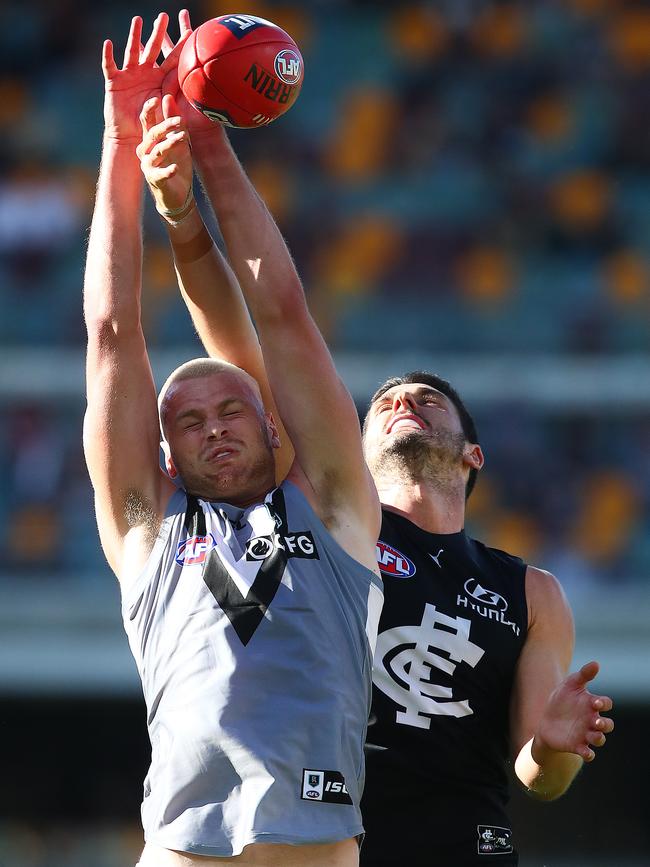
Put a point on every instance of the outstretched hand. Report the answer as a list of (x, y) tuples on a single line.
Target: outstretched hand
[(164, 154), (572, 720), (196, 123), (140, 78)]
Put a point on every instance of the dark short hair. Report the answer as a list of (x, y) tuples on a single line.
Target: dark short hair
[(466, 421)]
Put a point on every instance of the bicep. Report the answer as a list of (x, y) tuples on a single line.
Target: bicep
[(545, 658), (319, 414)]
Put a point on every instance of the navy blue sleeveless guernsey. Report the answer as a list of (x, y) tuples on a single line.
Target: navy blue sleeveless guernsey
[(452, 628), (253, 634)]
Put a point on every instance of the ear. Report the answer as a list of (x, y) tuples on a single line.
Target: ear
[(172, 472), (473, 456), (272, 428)]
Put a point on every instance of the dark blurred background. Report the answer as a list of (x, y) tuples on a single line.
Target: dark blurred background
[(465, 186)]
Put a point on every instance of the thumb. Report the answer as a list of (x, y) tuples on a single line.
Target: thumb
[(587, 673)]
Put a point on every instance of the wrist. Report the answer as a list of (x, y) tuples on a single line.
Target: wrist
[(113, 137), (175, 216), (540, 751), (209, 141), (190, 241)]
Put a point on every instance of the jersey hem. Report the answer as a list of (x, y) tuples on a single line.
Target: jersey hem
[(261, 837)]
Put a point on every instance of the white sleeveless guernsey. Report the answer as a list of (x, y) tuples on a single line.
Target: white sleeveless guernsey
[(253, 632)]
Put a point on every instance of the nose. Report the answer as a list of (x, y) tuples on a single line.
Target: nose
[(403, 401), (216, 430)]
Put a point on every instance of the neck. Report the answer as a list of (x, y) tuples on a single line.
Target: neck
[(430, 507), (240, 500)]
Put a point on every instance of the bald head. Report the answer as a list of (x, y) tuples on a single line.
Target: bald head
[(202, 368)]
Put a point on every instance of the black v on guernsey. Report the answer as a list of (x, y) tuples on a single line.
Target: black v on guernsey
[(452, 628), (253, 633)]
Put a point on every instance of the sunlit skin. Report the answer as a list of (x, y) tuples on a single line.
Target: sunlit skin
[(425, 484), (407, 408), (220, 441)]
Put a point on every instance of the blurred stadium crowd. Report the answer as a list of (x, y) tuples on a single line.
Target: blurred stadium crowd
[(458, 176)]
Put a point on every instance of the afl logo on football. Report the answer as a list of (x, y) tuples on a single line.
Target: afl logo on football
[(288, 66), (393, 562), (488, 597), (259, 548)]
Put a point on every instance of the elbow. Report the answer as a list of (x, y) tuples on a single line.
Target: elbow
[(545, 795), (290, 305), (107, 319), (110, 327), (545, 787)]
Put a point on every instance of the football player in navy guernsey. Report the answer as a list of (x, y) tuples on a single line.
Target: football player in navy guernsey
[(474, 646), (251, 607), (472, 654)]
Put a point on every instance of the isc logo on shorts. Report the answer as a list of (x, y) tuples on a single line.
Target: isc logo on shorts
[(326, 786), (393, 562)]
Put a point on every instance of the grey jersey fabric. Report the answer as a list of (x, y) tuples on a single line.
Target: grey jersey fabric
[(253, 633)]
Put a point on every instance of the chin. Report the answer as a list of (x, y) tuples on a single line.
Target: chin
[(405, 436)]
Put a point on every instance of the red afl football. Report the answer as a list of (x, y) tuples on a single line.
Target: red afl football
[(240, 70)]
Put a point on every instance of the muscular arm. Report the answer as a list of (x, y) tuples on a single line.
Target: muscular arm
[(220, 316), (121, 433), (315, 407), (554, 720), (206, 280)]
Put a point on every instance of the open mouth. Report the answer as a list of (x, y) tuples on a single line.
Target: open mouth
[(405, 422), (218, 455)]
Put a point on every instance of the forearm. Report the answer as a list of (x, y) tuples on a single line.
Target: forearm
[(318, 413), (546, 773), (256, 249), (114, 258), (211, 292)]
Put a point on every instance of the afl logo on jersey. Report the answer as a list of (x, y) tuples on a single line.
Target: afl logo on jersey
[(487, 597), (393, 562), (195, 550)]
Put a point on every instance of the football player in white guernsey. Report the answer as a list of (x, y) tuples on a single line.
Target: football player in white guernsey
[(219, 440), (421, 460)]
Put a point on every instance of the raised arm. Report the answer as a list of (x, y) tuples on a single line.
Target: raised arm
[(314, 405), (555, 720), (121, 432), (206, 280)]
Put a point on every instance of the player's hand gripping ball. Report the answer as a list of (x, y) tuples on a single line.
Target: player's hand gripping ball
[(240, 70)]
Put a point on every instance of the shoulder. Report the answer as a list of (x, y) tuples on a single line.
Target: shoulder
[(498, 554), (357, 538), (339, 511), (500, 559), (547, 602)]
